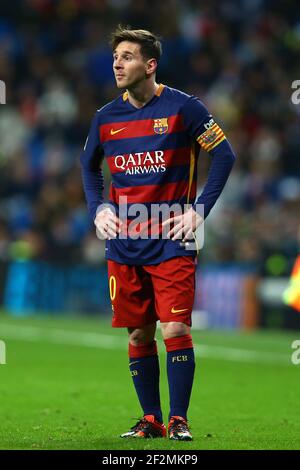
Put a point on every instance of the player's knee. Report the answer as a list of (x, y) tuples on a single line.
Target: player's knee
[(174, 329), (137, 339), (139, 336)]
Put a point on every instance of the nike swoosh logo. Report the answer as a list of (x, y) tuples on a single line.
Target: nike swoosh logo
[(131, 363), (177, 311), (112, 132)]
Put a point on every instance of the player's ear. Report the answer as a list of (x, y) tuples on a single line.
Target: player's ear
[(151, 66)]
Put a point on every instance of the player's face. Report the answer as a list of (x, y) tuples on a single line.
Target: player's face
[(129, 65)]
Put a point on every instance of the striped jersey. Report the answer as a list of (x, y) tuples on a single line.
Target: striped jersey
[(152, 155)]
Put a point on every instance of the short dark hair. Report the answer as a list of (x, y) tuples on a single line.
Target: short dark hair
[(149, 42)]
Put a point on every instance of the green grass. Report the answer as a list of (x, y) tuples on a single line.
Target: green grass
[(61, 389)]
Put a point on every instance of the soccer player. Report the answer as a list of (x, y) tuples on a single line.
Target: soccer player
[(151, 136)]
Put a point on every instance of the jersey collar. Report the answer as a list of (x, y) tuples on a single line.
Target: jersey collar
[(158, 92)]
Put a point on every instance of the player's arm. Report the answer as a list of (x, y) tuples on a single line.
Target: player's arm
[(202, 127), (91, 160), (211, 139)]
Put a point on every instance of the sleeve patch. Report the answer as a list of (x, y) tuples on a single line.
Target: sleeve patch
[(211, 137)]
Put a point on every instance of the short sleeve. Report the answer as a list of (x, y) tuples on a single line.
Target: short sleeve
[(201, 125)]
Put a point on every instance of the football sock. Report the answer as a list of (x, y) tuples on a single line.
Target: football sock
[(180, 370), (144, 369)]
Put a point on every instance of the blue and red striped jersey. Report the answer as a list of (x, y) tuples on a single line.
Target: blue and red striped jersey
[(152, 154)]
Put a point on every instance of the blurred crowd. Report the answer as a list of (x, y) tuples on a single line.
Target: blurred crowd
[(239, 56)]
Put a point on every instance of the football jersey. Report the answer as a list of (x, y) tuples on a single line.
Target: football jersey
[(152, 155)]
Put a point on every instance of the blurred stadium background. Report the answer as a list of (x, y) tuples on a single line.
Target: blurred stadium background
[(240, 57)]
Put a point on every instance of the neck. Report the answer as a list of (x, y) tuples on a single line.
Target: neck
[(140, 94)]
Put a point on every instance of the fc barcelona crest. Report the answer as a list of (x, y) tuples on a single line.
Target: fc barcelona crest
[(209, 136), (161, 126)]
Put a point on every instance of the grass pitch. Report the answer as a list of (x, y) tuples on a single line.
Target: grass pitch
[(66, 385)]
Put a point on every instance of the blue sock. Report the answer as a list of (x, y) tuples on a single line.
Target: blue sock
[(145, 375), (180, 369)]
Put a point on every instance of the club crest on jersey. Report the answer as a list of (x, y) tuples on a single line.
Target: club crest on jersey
[(161, 125)]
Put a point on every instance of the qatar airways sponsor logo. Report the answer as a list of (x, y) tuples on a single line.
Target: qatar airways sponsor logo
[(140, 163)]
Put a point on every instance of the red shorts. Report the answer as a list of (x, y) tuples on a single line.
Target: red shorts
[(141, 295)]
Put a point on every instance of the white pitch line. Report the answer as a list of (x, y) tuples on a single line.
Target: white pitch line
[(98, 340)]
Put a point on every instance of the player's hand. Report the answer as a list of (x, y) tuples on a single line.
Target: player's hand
[(184, 225), (107, 224)]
